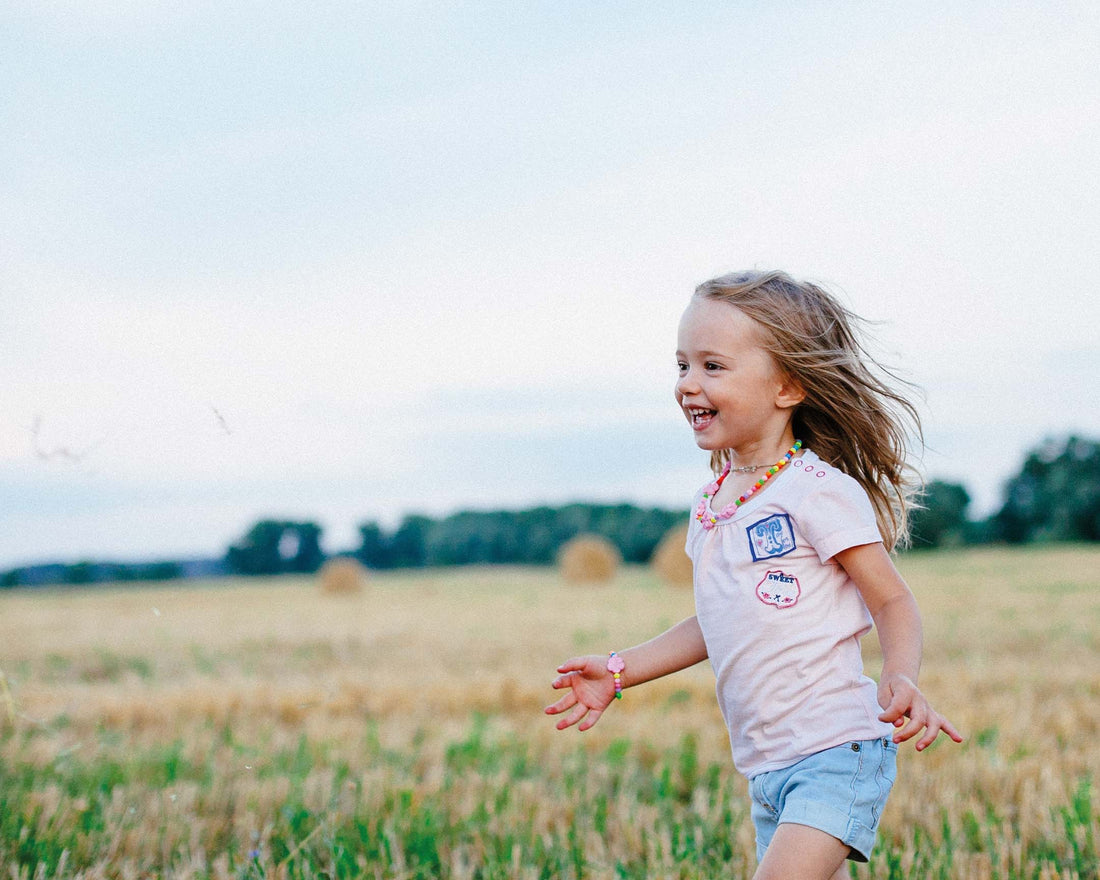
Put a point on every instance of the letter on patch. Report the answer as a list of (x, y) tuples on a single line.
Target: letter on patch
[(771, 537)]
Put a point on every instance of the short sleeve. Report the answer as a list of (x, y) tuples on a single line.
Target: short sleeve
[(838, 515)]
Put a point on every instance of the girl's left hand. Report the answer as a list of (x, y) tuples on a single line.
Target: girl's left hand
[(901, 699)]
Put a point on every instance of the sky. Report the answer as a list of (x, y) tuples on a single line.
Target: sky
[(350, 261)]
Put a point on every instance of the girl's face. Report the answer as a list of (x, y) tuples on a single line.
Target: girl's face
[(730, 390)]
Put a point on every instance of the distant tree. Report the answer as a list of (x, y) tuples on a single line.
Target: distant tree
[(89, 572), (941, 520), (526, 537), (538, 536), (308, 555), (258, 552), (1056, 495), (474, 538), (409, 543), (374, 547), (80, 573), (44, 575), (166, 570), (635, 531), (275, 547)]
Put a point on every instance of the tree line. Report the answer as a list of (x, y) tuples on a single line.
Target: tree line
[(1054, 497)]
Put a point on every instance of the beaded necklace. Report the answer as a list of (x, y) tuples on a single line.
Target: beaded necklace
[(711, 520)]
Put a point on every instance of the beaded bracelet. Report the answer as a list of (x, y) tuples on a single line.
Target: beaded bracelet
[(616, 665)]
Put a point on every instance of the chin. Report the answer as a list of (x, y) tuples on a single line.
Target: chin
[(708, 444)]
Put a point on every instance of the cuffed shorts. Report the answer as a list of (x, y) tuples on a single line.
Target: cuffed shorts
[(841, 791)]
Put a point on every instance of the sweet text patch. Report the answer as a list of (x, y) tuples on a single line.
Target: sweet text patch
[(778, 589)]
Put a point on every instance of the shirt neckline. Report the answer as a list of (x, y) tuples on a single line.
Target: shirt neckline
[(806, 455)]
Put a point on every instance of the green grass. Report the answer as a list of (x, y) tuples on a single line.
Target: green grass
[(496, 811), (480, 812)]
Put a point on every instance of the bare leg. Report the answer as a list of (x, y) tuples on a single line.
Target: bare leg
[(798, 852)]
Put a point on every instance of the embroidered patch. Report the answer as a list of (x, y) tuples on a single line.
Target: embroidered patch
[(771, 537), (778, 589)]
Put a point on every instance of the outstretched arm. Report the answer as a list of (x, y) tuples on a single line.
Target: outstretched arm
[(897, 620), (591, 688)]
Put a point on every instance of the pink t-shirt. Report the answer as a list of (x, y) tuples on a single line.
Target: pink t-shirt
[(782, 621)]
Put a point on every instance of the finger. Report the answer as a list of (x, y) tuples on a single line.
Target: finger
[(893, 715), (563, 681), (908, 732), (566, 702), (950, 730), (930, 734), (937, 724), (573, 664), (592, 718), (895, 712), (905, 736), (915, 725), (573, 717)]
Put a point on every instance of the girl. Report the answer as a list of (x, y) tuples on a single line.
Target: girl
[(790, 546)]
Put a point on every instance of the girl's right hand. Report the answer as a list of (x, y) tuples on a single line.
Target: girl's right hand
[(591, 689)]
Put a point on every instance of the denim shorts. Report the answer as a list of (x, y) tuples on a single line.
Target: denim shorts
[(840, 791)]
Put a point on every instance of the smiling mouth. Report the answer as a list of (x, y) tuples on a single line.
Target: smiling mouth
[(699, 417)]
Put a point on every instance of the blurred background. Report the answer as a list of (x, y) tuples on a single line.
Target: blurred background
[(339, 264)]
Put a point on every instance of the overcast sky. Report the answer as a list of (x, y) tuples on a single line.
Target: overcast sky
[(348, 261)]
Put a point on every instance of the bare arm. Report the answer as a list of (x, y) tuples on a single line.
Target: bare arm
[(676, 648), (590, 687), (901, 636)]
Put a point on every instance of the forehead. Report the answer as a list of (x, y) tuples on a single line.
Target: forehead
[(716, 326)]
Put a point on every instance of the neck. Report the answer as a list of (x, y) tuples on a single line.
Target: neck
[(763, 454)]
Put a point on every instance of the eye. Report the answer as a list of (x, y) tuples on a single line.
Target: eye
[(711, 366), (681, 366)]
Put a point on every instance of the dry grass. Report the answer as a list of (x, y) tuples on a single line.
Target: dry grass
[(254, 696), (588, 559)]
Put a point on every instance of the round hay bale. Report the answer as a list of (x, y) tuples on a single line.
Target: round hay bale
[(671, 561), (588, 559), (342, 576)]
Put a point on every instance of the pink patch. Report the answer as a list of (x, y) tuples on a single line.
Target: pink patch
[(778, 589)]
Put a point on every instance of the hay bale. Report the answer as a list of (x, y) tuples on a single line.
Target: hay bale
[(588, 559), (342, 576), (671, 561)]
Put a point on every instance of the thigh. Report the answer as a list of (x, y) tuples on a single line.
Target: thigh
[(803, 852)]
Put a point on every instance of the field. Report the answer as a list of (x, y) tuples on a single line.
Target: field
[(261, 729)]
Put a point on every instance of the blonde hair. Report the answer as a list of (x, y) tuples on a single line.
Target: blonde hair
[(851, 415)]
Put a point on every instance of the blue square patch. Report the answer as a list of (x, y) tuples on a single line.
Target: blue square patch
[(771, 537)]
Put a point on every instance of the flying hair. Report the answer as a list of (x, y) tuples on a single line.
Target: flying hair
[(852, 415)]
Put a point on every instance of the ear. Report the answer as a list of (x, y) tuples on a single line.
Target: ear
[(790, 393)]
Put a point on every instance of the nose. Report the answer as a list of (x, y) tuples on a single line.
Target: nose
[(686, 386)]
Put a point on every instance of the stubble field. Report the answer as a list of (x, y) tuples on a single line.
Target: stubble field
[(262, 729)]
